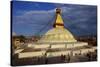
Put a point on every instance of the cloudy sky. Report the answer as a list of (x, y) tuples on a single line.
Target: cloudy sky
[(36, 18)]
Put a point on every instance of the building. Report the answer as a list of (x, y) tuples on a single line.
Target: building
[(56, 42)]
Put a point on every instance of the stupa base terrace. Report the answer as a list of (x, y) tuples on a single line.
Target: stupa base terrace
[(54, 49)]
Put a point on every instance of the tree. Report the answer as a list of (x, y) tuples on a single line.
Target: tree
[(22, 38)]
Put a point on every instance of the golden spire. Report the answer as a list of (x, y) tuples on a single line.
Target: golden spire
[(59, 20)]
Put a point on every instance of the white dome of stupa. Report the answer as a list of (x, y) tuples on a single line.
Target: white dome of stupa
[(58, 33)]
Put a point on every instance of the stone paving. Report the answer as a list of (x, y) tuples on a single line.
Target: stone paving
[(54, 60)]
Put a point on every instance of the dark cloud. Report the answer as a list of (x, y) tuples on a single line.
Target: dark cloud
[(81, 20)]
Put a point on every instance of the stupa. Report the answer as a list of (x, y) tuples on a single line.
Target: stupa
[(55, 42), (58, 33)]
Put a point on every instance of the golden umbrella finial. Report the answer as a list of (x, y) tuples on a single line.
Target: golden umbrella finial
[(58, 20)]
